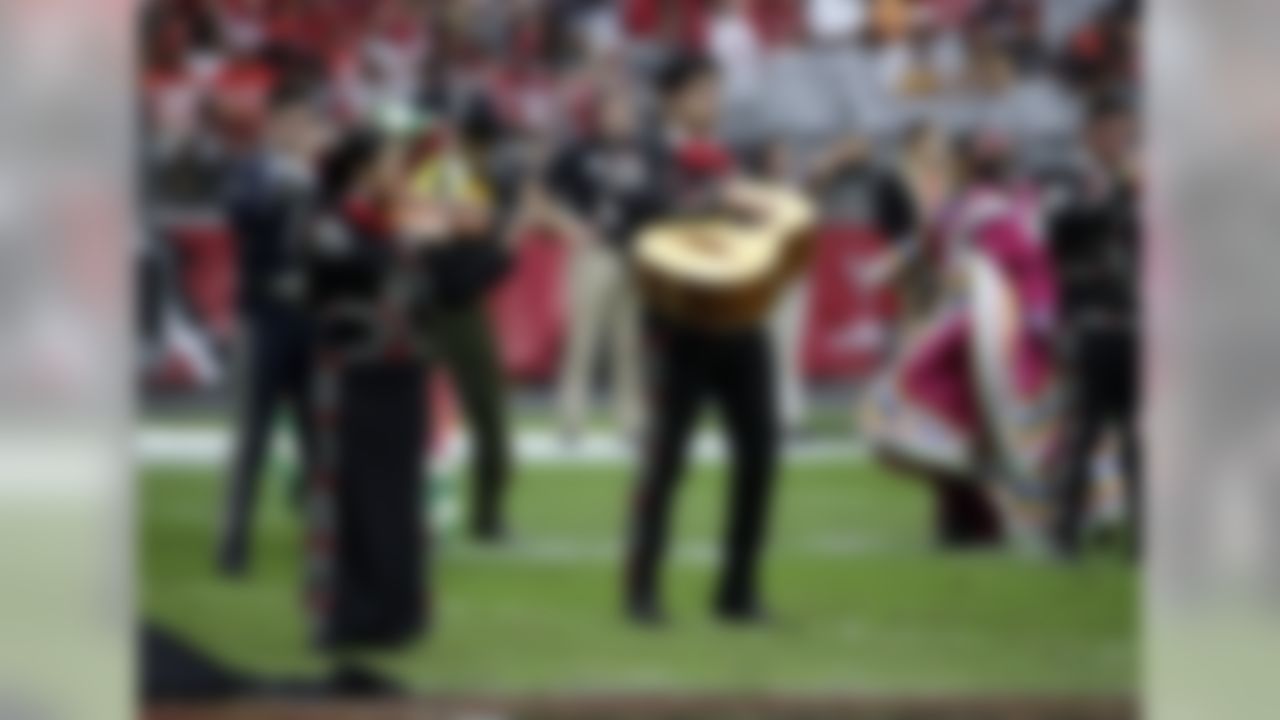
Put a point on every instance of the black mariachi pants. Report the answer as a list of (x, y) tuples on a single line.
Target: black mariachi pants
[(686, 368), (1105, 394)]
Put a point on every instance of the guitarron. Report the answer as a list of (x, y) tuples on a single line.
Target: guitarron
[(723, 272)]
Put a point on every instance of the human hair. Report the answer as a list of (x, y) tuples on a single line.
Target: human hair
[(681, 72), (342, 167)]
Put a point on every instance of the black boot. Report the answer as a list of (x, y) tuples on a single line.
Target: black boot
[(646, 612), (740, 607)]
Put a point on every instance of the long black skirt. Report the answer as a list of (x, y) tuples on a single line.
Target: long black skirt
[(367, 555)]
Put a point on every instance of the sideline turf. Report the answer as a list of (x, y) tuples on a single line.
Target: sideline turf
[(863, 603)]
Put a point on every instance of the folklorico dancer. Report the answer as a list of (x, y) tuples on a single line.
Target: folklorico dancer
[(969, 403)]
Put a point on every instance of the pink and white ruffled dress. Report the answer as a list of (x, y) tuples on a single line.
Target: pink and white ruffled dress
[(976, 376)]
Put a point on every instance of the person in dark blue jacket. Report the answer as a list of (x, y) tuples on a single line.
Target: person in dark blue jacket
[(269, 205)]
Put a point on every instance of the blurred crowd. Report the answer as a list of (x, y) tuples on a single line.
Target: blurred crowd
[(846, 94)]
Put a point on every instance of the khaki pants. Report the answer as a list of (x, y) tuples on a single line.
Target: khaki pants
[(787, 327), (603, 313)]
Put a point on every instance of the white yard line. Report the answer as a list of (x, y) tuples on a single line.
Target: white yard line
[(687, 553), (158, 444)]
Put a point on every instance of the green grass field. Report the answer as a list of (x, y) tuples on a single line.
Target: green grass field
[(864, 604)]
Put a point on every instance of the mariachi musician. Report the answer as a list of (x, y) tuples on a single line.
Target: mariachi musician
[(380, 273), (701, 344)]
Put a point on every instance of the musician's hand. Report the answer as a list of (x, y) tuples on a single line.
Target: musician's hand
[(740, 197), (423, 224), (468, 219), (764, 207)]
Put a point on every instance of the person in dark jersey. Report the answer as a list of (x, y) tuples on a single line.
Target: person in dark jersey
[(600, 186)]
